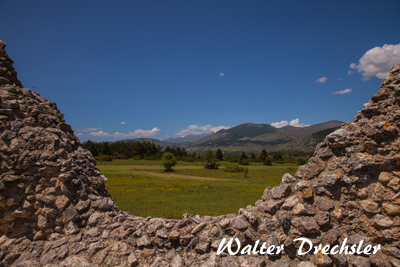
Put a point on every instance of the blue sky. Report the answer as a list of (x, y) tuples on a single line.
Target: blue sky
[(159, 69)]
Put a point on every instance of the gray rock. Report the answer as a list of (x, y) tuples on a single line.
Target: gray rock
[(391, 251), (59, 243), (94, 219), (281, 191), (322, 218), (93, 232), (306, 225), (238, 223), (112, 261), (174, 235), (96, 246), (78, 247), (177, 261), (256, 262), (370, 206), (322, 260), (71, 228), (101, 256), (74, 261), (280, 263), (325, 204), (202, 248), (290, 202), (76, 238), (306, 264), (63, 252), (198, 228), (82, 205), (143, 241), (359, 261), (395, 262), (288, 178), (213, 261), (23, 258), (304, 209), (339, 259), (382, 221), (229, 261), (391, 208), (48, 257), (271, 206), (132, 260), (70, 214), (225, 222), (102, 204)]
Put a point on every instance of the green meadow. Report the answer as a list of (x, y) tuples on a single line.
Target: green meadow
[(142, 188)]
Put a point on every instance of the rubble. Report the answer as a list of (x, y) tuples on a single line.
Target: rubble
[(55, 210)]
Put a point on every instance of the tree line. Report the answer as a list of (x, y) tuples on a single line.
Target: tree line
[(123, 150), (151, 151)]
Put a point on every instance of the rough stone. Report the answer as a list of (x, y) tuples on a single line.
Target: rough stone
[(52, 193)]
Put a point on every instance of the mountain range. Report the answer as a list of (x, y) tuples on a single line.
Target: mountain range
[(250, 137)]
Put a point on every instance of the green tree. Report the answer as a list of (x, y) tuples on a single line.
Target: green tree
[(168, 161), (243, 159), (263, 155), (278, 157), (210, 161), (219, 154)]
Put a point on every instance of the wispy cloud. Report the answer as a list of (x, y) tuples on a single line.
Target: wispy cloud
[(341, 92), (377, 61), (321, 80), (294, 123), (136, 133), (122, 122), (199, 129), (221, 74), (85, 130), (79, 134)]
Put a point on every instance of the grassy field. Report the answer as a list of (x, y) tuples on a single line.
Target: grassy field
[(142, 188)]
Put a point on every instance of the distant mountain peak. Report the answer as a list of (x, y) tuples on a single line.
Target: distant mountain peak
[(188, 138)]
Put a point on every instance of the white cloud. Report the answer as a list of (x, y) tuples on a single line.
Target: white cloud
[(377, 61), (122, 122), (280, 124), (85, 130), (341, 92), (294, 123), (136, 133), (79, 134), (221, 74), (199, 129), (321, 80)]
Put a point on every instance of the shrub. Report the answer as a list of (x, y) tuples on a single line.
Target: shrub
[(234, 168), (267, 162), (210, 161), (104, 158), (244, 162), (168, 161)]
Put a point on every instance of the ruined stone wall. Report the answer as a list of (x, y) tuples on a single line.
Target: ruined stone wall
[(55, 211)]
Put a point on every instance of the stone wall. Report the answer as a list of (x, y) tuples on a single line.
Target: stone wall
[(55, 211)]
